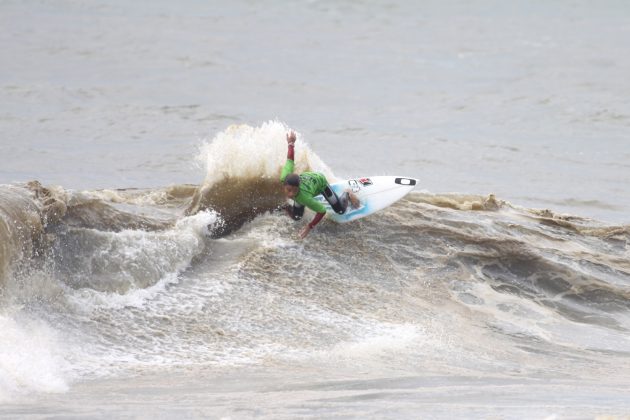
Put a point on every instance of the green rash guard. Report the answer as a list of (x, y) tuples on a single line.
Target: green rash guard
[(311, 184)]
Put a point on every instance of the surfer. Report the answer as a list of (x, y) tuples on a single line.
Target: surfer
[(304, 187)]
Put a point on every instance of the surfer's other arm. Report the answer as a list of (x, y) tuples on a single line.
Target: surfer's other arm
[(307, 229)]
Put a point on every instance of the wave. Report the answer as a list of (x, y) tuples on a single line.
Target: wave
[(211, 275)]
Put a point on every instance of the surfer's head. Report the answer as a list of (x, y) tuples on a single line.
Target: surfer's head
[(291, 185)]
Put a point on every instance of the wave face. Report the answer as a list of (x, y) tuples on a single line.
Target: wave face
[(119, 282)]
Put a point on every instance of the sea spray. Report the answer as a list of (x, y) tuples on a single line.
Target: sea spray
[(243, 151)]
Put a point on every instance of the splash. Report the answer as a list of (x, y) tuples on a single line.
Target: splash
[(242, 151)]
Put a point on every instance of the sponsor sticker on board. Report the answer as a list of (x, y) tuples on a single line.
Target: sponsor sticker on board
[(365, 181)]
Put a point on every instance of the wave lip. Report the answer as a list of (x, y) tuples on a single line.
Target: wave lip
[(25, 211)]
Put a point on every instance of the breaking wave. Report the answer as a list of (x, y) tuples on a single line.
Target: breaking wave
[(100, 283)]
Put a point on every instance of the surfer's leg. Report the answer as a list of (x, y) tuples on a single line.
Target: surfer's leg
[(339, 205), (296, 211)]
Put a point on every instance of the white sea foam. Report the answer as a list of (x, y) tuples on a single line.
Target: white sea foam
[(31, 357), (156, 257)]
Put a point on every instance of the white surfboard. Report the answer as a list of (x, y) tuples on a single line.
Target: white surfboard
[(375, 193)]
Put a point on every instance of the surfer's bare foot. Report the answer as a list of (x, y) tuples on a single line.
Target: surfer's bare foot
[(354, 200)]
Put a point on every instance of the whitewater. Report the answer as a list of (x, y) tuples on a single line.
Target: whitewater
[(146, 267)]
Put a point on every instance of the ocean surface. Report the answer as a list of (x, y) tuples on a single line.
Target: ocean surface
[(146, 271)]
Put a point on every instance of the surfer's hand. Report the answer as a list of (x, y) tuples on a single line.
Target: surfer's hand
[(305, 231), (291, 137)]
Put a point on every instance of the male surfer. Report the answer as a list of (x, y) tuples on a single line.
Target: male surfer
[(303, 189)]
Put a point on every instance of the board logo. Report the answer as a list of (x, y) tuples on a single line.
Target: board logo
[(354, 185), (365, 181)]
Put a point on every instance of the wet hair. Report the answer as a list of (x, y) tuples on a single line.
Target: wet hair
[(293, 180)]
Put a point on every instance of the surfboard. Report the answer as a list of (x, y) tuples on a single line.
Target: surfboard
[(375, 193)]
